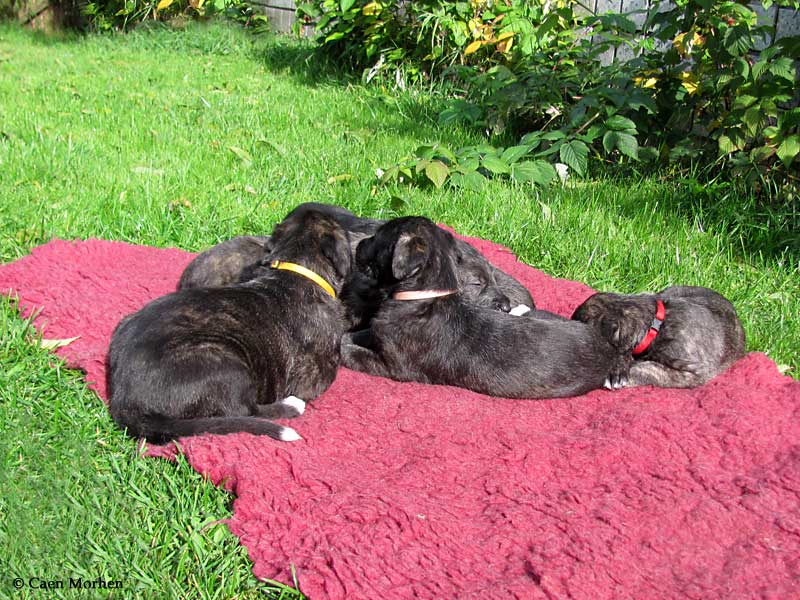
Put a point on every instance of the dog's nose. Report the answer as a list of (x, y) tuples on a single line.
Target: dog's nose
[(502, 303)]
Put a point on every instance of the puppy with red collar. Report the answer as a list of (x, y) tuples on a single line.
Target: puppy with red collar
[(681, 337)]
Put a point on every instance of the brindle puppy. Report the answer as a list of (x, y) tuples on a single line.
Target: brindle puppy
[(226, 359), (224, 263), (234, 260), (442, 338), (699, 337)]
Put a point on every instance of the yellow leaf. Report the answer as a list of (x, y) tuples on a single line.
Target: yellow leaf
[(371, 9), (679, 43), (505, 35), (473, 47), (53, 344), (648, 83), (505, 46), (162, 4), (340, 178), (690, 82)]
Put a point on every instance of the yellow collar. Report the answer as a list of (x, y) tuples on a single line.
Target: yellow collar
[(308, 273)]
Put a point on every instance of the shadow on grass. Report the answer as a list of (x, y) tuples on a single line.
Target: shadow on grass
[(760, 228), (755, 229), (414, 111)]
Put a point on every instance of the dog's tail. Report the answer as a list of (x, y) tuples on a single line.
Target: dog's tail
[(159, 429)]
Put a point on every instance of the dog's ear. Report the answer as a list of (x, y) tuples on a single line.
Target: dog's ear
[(336, 248), (410, 255)]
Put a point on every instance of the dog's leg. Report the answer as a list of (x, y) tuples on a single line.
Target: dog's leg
[(288, 408), (646, 372), (359, 358)]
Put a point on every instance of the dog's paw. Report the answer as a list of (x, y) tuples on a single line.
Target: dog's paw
[(288, 434), (519, 310), (293, 402), (617, 381)]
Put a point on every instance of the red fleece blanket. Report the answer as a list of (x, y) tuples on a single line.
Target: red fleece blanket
[(415, 491)]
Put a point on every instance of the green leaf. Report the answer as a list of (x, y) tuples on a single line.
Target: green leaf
[(426, 152), (753, 117), (624, 142), (513, 153), (726, 145), (628, 145), (538, 171), (761, 153), (744, 101), (334, 36), (648, 154), (620, 123), (437, 172), (737, 40), (576, 155), (789, 149), (554, 135), (610, 141), (346, 5), (471, 180), (784, 68), (495, 164)]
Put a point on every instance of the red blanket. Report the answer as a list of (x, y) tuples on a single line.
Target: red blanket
[(415, 491)]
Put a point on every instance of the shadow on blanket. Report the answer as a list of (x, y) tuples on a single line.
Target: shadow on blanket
[(413, 491)]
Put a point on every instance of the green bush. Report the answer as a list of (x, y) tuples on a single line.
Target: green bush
[(123, 15), (529, 75)]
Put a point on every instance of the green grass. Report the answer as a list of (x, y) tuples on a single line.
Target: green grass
[(188, 138)]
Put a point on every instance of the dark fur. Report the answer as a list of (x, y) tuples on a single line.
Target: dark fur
[(225, 263), (700, 337), (451, 341), (236, 260), (220, 359)]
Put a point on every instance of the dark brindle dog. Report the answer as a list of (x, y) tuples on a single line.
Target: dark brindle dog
[(234, 260), (426, 330), (226, 359), (224, 263), (681, 337)]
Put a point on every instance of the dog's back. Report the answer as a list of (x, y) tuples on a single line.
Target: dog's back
[(218, 359)]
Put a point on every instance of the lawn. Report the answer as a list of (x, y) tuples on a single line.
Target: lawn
[(185, 138)]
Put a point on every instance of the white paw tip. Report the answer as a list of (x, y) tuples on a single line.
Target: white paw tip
[(295, 402), (607, 385), (519, 310), (289, 435)]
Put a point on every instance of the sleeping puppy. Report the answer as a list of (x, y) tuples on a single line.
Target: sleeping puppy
[(480, 281), (224, 263), (681, 337), (227, 359), (427, 331), (234, 260)]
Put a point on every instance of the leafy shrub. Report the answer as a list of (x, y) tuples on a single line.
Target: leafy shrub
[(719, 100), (122, 15), (696, 91)]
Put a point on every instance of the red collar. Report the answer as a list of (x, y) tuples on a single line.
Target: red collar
[(655, 326)]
